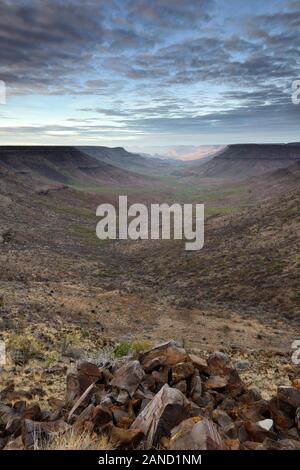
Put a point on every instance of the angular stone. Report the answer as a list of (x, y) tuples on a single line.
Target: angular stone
[(129, 377), (230, 431), (284, 444), (182, 386), (168, 408), (73, 387), (255, 411), (88, 374), (154, 364), (216, 382), (182, 371), (196, 388), (84, 416), (296, 383), (125, 422), (199, 363), (266, 424), (100, 416), (125, 438), (161, 377), (257, 433), (149, 382), (170, 351), (196, 434), (219, 364), (221, 417), (242, 365), (290, 395), (235, 386)]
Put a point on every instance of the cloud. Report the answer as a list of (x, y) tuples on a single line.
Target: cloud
[(155, 66)]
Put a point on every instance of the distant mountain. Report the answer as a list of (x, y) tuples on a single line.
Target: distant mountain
[(182, 152), (119, 157), (64, 164), (241, 161)]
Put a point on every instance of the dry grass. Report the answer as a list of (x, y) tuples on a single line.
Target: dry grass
[(74, 440)]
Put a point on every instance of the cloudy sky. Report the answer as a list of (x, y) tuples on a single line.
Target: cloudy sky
[(141, 73)]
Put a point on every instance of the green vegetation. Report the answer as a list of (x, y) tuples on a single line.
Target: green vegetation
[(126, 347), (24, 347)]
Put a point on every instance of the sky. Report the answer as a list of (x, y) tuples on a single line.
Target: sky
[(146, 73)]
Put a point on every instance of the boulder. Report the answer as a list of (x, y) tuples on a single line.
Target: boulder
[(170, 352), (290, 395), (198, 363), (129, 377), (182, 386), (88, 374), (216, 382), (221, 418), (182, 371), (257, 433), (125, 438), (219, 364), (161, 377), (100, 416), (196, 388), (196, 434), (154, 364), (167, 409)]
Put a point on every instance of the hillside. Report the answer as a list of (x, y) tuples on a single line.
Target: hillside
[(120, 158), (241, 161), (63, 164)]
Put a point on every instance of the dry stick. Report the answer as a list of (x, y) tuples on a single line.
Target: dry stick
[(80, 400)]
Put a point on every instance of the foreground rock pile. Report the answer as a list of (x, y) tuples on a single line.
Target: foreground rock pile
[(166, 399)]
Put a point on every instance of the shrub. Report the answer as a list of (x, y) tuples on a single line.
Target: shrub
[(126, 347), (23, 347)]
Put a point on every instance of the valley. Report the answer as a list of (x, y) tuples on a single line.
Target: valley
[(69, 294)]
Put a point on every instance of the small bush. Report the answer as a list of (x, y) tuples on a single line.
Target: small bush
[(126, 347), (23, 347)]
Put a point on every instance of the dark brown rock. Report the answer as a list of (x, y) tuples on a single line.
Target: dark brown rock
[(125, 438), (182, 371), (280, 415), (219, 364), (284, 444), (129, 377), (221, 418), (216, 382), (100, 416), (170, 351), (258, 433), (182, 386), (199, 363), (290, 395), (168, 408), (154, 364), (196, 388), (196, 434)]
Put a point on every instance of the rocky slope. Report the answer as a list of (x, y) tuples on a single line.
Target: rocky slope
[(65, 165), (163, 398), (241, 161)]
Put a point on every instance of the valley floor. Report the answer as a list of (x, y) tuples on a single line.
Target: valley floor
[(65, 295)]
